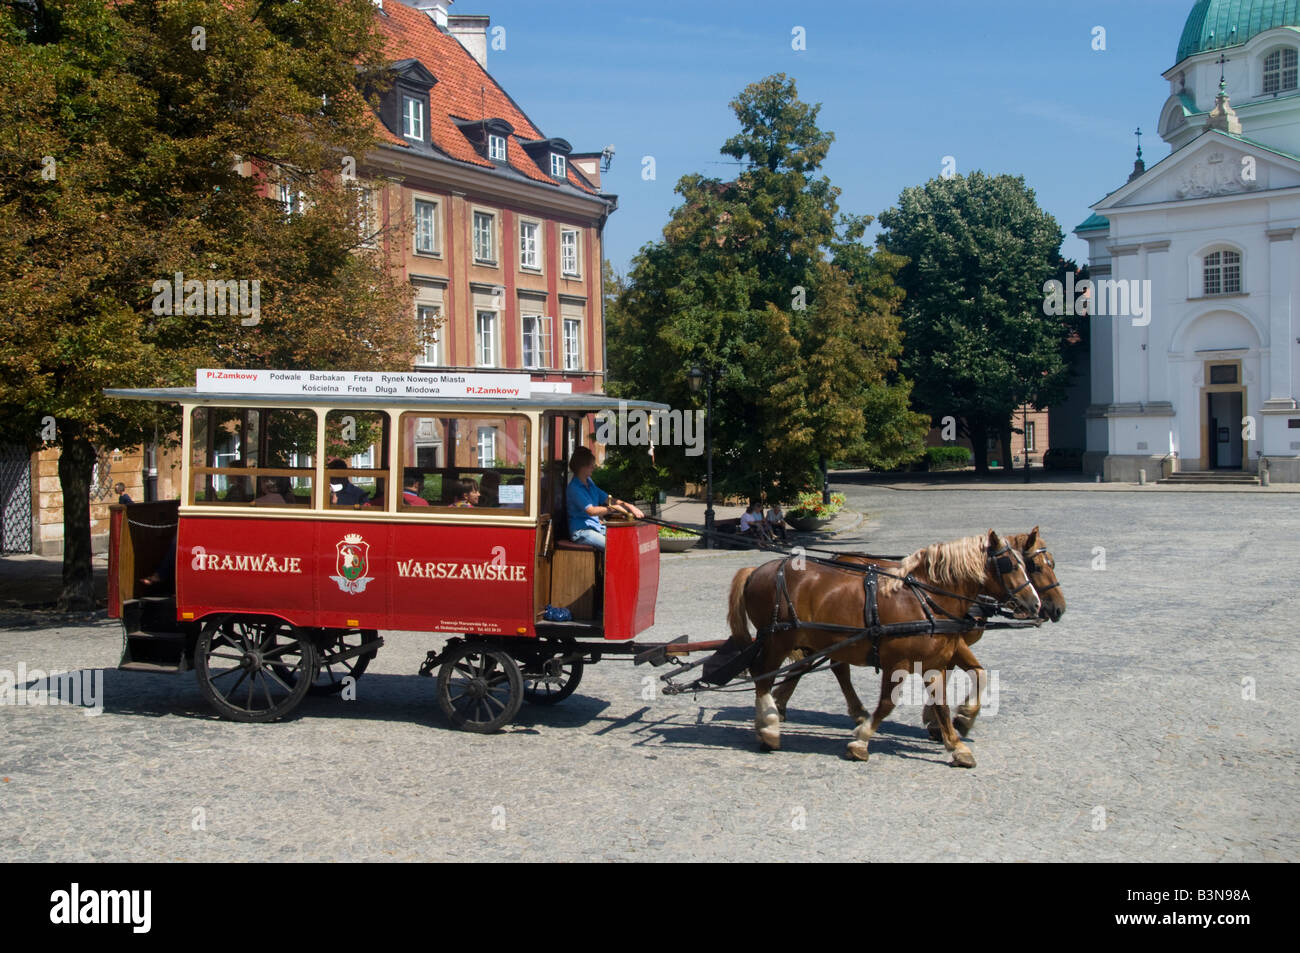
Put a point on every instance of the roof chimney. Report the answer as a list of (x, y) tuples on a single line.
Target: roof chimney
[(471, 30), (437, 9)]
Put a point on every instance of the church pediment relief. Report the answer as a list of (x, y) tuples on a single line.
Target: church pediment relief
[(1220, 172), (1207, 169)]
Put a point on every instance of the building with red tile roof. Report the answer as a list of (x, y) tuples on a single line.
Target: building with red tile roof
[(498, 226)]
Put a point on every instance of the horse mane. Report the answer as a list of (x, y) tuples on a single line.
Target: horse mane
[(944, 564)]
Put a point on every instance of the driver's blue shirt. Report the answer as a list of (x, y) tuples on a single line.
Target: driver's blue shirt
[(580, 496)]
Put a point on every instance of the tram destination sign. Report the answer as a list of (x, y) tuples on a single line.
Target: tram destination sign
[(363, 383)]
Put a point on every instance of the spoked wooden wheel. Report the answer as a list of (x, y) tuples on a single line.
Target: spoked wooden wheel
[(240, 661), (331, 673), (556, 682), (479, 688)]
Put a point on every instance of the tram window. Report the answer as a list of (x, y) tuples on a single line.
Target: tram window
[(252, 456), (356, 459), (477, 462)]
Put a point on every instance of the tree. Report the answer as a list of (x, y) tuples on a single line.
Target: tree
[(763, 281), (137, 141), (979, 345)]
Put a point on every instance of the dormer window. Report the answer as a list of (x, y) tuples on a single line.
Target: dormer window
[(497, 148), (1280, 72), (413, 118), (557, 165)]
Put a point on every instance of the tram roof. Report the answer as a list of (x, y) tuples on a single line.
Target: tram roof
[(547, 401)]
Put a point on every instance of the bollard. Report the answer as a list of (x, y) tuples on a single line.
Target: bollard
[(1142, 478), (1096, 478), (1263, 477)]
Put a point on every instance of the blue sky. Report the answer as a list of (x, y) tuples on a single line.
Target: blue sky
[(1008, 86)]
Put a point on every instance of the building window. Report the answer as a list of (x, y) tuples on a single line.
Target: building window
[(1029, 437), (537, 340), (485, 246), (1280, 71), (1223, 373), (569, 251), (1222, 273), (486, 338), (487, 447), (557, 165), (497, 147), (290, 198), (427, 320), (367, 216), (572, 344), (529, 255), (426, 227), (412, 118)]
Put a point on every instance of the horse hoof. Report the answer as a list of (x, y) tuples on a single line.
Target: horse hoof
[(935, 733), (857, 751), (963, 759), (962, 724), (769, 739)]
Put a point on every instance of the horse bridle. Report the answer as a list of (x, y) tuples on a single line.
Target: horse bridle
[(1049, 563), (1005, 563)]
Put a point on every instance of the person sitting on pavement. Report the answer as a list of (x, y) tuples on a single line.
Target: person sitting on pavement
[(753, 524), (776, 520), (587, 503)]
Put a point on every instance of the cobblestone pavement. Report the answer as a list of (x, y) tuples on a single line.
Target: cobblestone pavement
[(1120, 733)]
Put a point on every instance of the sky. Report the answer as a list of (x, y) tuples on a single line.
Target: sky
[(1005, 86)]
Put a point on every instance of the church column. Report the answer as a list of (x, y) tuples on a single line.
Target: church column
[(1154, 335), (1281, 331)]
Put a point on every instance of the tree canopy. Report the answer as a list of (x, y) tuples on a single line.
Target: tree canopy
[(138, 141), (762, 280), (979, 345)]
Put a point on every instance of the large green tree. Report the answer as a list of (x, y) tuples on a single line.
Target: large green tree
[(762, 280), (979, 343), (137, 140)]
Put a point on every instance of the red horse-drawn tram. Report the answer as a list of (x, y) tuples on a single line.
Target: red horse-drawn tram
[(320, 508)]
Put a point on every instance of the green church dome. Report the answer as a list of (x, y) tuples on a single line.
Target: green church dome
[(1219, 24)]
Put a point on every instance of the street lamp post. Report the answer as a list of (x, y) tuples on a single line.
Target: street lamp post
[(704, 375)]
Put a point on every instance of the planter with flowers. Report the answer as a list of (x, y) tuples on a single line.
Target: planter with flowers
[(675, 540), (809, 513)]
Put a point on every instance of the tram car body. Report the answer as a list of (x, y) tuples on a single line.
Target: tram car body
[(317, 520)]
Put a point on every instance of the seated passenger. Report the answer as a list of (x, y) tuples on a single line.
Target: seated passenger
[(491, 489), (412, 484), (272, 494), (237, 491), (587, 503), (467, 494), (342, 491)]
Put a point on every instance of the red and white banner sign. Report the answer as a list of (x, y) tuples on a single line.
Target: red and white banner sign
[(364, 384)]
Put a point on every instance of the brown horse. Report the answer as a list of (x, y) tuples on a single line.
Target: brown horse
[(940, 582), (1041, 565)]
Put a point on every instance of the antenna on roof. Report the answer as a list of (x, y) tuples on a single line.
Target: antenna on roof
[(607, 157)]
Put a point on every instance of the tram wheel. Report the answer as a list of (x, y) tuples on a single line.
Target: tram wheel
[(556, 683), (239, 659), (479, 688), (330, 675)]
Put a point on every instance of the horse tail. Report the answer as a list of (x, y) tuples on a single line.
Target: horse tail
[(737, 618)]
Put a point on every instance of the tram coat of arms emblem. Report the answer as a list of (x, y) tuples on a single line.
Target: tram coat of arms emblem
[(352, 563)]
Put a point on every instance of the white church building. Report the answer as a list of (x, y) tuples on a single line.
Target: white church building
[(1207, 378)]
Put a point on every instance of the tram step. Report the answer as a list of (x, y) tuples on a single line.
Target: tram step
[(154, 652), (149, 614)]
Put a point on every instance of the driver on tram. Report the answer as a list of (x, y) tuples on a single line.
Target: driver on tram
[(587, 503)]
